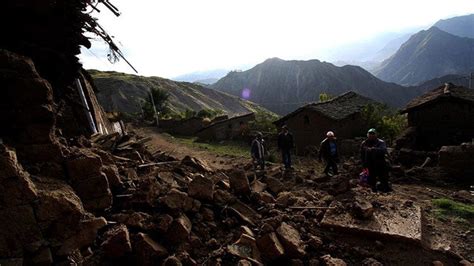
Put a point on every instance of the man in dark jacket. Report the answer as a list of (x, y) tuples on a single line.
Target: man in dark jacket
[(328, 151), (285, 145), (258, 151), (372, 152)]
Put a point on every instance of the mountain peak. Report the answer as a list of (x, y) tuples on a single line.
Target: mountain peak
[(273, 60), (462, 26), (283, 86), (428, 54)]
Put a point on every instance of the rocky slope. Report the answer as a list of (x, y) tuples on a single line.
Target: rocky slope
[(462, 26), (427, 55), (282, 86), (123, 92)]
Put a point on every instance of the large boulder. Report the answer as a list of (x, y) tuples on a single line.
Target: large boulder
[(239, 182), (146, 250), (117, 242), (291, 240), (178, 200), (270, 246), (201, 188), (87, 179), (180, 229)]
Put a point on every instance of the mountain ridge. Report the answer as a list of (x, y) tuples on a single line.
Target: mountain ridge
[(428, 54), (123, 92), (462, 26), (282, 86)]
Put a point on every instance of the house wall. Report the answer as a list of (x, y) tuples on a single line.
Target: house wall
[(187, 127), (309, 128), (234, 128), (442, 123)]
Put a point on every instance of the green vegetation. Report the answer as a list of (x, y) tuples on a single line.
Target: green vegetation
[(209, 113), (263, 118), (234, 148), (388, 122), (323, 97), (160, 98), (450, 210)]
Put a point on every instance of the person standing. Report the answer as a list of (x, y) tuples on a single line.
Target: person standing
[(328, 151), (285, 145), (372, 152), (257, 151)]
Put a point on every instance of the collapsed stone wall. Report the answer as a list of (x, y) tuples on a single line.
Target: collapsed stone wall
[(53, 187), (458, 161), (47, 186)]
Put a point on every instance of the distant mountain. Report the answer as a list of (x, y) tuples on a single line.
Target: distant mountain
[(375, 49), (206, 82), (363, 55), (427, 55), (462, 26), (367, 65), (435, 83), (390, 48), (123, 92), (282, 86), (200, 76)]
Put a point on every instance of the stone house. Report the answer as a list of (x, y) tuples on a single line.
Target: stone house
[(183, 127), (443, 116), (342, 115), (233, 128)]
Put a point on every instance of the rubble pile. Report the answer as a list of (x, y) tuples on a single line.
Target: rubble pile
[(115, 202), (74, 192)]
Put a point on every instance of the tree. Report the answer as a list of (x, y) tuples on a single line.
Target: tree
[(323, 97), (209, 113), (389, 124), (188, 113), (160, 99)]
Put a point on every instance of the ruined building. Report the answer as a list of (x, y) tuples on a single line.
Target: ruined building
[(443, 116), (342, 115), (49, 189)]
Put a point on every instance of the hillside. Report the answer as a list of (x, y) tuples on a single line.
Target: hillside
[(282, 86), (462, 26), (206, 77), (123, 92), (427, 55), (434, 83)]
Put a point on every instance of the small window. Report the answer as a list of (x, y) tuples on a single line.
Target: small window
[(306, 120)]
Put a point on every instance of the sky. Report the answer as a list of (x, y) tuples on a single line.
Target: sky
[(175, 37)]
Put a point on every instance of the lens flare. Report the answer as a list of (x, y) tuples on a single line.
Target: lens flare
[(246, 93)]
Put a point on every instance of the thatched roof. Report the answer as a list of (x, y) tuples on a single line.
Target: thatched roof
[(447, 91), (338, 108)]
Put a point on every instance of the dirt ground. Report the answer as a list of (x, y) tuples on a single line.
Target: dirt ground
[(163, 143), (446, 236)]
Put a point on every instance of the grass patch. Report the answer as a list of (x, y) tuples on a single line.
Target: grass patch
[(447, 207), (235, 148)]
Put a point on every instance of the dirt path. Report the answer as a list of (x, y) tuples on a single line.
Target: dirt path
[(165, 143)]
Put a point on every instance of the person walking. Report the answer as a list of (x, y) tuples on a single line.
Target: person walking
[(372, 152), (257, 151), (285, 145), (329, 152)]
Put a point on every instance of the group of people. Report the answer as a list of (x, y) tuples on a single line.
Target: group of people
[(285, 145), (372, 154)]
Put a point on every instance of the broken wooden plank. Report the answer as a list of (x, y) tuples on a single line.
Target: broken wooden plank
[(310, 207), (157, 164)]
